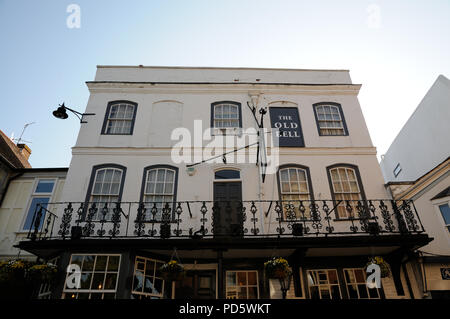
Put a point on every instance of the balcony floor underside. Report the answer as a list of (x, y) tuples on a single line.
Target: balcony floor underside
[(233, 247)]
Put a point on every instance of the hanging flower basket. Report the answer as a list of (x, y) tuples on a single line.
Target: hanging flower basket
[(384, 266), (172, 271), (277, 268), (43, 272)]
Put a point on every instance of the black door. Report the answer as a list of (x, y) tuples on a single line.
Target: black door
[(228, 210), (197, 285)]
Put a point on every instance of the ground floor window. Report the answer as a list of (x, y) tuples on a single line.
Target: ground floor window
[(147, 280), (355, 281), (99, 275), (242, 284), (323, 284)]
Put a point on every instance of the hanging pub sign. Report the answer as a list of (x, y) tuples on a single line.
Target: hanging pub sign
[(287, 121)]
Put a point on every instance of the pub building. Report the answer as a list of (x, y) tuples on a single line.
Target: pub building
[(314, 193)]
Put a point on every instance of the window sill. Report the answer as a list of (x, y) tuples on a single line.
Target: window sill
[(235, 131)]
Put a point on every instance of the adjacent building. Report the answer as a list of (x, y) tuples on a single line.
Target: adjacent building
[(155, 176), (417, 167)]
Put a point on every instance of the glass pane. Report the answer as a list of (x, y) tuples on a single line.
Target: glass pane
[(158, 286), (324, 293), (77, 260), (242, 278), (231, 279), (88, 263), (285, 187), (97, 281), (335, 292), (445, 211), (353, 294), (42, 201), (138, 281), (252, 278), (152, 175), (170, 176), (148, 284), (110, 281), (362, 291), (252, 292), (100, 264), (168, 188), (113, 263), (293, 174), (227, 174), (85, 282), (332, 277), (161, 174), (150, 268), (45, 186), (284, 176), (360, 276), (242, 293)]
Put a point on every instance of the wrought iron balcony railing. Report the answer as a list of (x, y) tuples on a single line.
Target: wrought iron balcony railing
[(213, 219)]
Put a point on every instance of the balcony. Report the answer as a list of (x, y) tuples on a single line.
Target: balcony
[(202, 220)]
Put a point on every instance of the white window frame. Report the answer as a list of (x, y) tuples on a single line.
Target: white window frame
[(37, 195), (148, 203), (347, 284), (114, 121), (295, 202), (74, 292), (226, 130), (326, 130), (328, 284), (98, 216), (229, 289), (438, 202), (142, 293), (342, 206)]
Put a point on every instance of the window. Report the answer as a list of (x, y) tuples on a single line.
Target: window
[(106, 188), (119, 118), (323, 284), (226, 115), (99, 275), (227, 174), (397, 170), (242, 285), (295, 186), (147, 280), (355, 280), (41, 196), (330, 119), (346, 186), (445, 211), (159, 188)]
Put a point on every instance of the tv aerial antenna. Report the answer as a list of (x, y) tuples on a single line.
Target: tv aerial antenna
[(20, 140)]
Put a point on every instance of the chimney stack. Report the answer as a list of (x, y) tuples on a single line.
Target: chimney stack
[(24, 150)]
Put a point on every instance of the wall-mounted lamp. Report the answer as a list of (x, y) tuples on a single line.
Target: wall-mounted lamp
[(190, 171), (61, 113)]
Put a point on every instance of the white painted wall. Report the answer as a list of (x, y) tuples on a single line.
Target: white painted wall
[(163, 106), (15, 207), (424, 140)]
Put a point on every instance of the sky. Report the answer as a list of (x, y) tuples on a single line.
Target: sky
[(395, 49)]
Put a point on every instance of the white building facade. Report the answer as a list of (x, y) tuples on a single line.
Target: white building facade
[(130, 202)]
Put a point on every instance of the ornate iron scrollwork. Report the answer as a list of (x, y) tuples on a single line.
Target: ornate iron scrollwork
[(66, 220)]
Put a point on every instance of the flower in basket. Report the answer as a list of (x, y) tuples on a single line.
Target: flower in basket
[(13, 269), (44, 272), (277, 267), (384, 266), (172, 271)]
